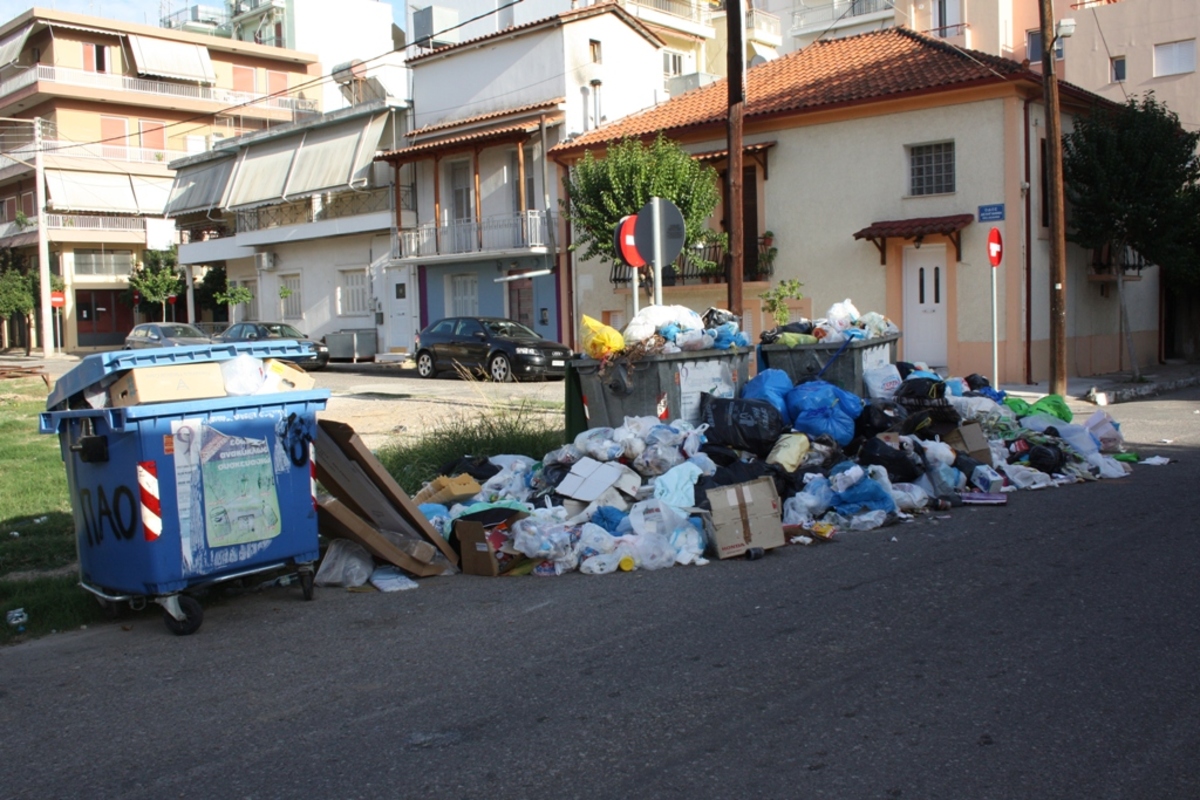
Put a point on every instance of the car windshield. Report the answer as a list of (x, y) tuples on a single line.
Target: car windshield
[(509, 329), (284, 331), (182, 331)]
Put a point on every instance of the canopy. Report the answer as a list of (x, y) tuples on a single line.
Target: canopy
[(12, 45), (199, 187), (165, 59)]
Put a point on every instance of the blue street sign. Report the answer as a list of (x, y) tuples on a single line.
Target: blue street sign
[(991, 213)]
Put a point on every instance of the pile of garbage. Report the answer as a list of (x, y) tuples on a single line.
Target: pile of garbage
[(841, 323), (650, 494), (663, 330)]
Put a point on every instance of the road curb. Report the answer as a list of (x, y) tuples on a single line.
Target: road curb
[(1113, 396)]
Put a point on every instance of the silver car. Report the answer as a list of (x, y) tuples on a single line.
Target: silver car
[(164, 334)]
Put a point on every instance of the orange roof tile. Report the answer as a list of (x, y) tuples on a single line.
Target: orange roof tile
[(474, 136), (918, 226), (457, 123), (868, 67)]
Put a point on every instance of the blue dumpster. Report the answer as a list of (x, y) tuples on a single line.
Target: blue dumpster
[(170, 496)]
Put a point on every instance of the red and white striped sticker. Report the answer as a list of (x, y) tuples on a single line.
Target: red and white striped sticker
[(312, 473), (147, 475)]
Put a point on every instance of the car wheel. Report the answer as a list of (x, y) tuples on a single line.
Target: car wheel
[(499, 369), (425, 364)]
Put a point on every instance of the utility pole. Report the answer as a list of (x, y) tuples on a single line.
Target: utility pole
[(47, 329), (735, 15), (1054, 193)]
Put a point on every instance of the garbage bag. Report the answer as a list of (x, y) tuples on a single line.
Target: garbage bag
[(1104, 428), (817, 496), (771, 385), (1018, 406), (650, 550), (1054, 405), (878, 416), (600, 340), (820, 394), (842, 315), (881, 382), (1047, 458), (346, 564), (657, 459), (752, 425), (599, 444), (922, 388), (899, 465), (789, 451), (865, 495), (715, 317)]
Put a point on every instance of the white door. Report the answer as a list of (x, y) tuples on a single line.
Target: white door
[(925, 305), (402, 297)]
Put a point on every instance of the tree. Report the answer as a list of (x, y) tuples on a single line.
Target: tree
[(1131, 174), (20, 293), (157, 277), (602, 191)]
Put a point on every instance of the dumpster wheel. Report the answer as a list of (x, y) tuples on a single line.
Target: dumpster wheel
[(306, 582), (189, 609)]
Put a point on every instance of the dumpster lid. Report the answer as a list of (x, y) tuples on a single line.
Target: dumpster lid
[(96, 367)]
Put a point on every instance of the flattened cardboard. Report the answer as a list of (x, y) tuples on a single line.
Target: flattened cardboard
[(446, 489), (480, 552), (335, 520), (284, 376), (745, 515), (354, 449), (969, 439), (588, 479), (167, 383)]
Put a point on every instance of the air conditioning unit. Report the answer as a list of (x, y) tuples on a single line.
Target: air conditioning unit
[(264, 262)]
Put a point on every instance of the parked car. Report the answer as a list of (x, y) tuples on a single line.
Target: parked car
[(265, 331), (502, 349), (164, 334)]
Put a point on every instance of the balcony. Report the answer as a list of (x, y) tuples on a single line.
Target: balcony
[(322, 207), (75, 222), (758, 267), (104, 151), (764, 27), (811, 14), (124, 83), (522, 231), (680, 9)]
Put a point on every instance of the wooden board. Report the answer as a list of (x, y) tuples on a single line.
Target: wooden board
[(336, 520)]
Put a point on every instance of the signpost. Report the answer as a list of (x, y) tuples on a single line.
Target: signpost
[(995, 249), (58, 300), (659, 233)]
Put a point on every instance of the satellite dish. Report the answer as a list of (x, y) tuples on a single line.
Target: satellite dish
[(757, 60)]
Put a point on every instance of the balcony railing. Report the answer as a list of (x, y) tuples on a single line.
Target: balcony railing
[(762, 23), (683, 9), (321, 207), (105, 151), (204, 15), (493, 234), (811, 14), (125, 83), (758, 266), (85, 222)]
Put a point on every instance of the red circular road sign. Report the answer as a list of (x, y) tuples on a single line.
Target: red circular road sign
[(57, 299), (629, 250), (995, 247)]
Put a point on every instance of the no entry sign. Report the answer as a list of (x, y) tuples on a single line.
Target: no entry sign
[(995, 247)]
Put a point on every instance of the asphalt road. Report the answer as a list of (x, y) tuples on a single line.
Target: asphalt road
[(1042, 650)]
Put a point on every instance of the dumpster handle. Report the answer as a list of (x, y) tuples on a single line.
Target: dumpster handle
[(829, 363)]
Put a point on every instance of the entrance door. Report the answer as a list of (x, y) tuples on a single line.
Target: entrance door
[(401, 325), (102, 318), (925, 305)]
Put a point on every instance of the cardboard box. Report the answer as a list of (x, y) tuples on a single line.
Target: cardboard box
[(746, 515), (335, 520), (446, 490), (969, 439), (481, 548), (589, 479), (167, 383), (284, 376)]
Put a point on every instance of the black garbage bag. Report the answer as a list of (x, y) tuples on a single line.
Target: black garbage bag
[(720, 454), (1047, 458), (752, 425), (478, 467), (975, 382), (900, 467), (921, 388), (966, 465), (715, 317), (905, 368), (879, 416)]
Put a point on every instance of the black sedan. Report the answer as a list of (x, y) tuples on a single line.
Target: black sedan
[(504, 350), (164, 334), (266, 331)]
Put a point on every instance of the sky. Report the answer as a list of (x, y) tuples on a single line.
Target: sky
[(143, 11)]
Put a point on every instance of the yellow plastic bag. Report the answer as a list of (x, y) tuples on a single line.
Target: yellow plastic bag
[(600, 340)]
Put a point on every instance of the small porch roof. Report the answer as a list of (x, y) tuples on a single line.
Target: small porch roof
[(917, 228)]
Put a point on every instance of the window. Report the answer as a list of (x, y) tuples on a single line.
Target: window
[(672, 64), (243, 79), (446, 327), (277, 83), (154, 139), (9, 211), (931, 168), (95, 57), (27, 204), (1118, 69), (352, 293), (103, 262), (594, 49), (530, 200), (469, 327), (293, 307), (464, 295), (1174, 58), (1033, 47)]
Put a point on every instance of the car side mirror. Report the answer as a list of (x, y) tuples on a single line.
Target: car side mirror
[(480, 335)]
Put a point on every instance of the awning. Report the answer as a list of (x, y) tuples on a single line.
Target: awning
[(12, 45), (262, 173), (199, 187), (462, 141), (879, 232), (179, 60), (340, 155), (756, 151), (757, 50), (90, 191), (151, 193)]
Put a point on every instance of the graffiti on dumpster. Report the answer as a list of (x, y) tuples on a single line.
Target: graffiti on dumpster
[(116, 511)]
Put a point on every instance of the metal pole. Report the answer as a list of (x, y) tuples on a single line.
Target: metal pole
[(1058, 240), (47, 330), (656, 218), (995, 338), (735, 66)]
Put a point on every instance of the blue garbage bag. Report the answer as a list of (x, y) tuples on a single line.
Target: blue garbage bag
[(771, 385), (822, 394), (866, 495), (669, 331), (825, 421), (608, 517), (724, 335)]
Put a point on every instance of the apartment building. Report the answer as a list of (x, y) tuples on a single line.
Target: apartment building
[(112, 104)]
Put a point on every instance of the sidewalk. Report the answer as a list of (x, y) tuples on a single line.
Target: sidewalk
[(1103, 390)]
